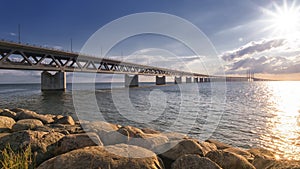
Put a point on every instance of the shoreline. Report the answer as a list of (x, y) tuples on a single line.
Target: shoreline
[(57, 138)]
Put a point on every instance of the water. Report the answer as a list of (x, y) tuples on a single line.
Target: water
[(256, 114)]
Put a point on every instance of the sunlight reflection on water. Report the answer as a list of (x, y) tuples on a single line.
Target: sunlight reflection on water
[(284, 126)]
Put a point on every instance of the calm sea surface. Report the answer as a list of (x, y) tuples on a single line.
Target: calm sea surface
[(244, 114)]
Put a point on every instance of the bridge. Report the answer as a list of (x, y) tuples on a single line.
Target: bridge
[(29, 57)]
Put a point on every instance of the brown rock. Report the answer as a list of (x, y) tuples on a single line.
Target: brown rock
[(207, 147), (229, 160), (175, 136), (40, 142), (149, 141), (149, 131), (65, 120), (26, 124), (173, 150), (27, 114), (8, 113), (219, 145), (192, 161), (241, 152), (114, 137), (6, 123), (112, 157), (99, 126), (77, 141)]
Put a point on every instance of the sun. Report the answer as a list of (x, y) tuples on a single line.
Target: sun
[(284, 20)]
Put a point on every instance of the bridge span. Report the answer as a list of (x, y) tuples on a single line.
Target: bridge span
[(28, 57)]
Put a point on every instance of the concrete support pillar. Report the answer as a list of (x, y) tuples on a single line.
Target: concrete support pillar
[(196, 80), (131, 81), (160, 80), (178, 80), (53, 82), (201, 79), (188, 80)]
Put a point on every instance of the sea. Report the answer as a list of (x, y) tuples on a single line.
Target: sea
[(244, 114)]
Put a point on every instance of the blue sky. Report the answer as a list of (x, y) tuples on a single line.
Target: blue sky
[(239, 29)]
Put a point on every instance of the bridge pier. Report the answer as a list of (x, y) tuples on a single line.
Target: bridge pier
[(201, 80), (53, 82), (196, 80), (131, 81), (160, 80), (178, 80), (188, 80)]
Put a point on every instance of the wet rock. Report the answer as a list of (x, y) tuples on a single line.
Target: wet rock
[(6, 123), (219, 144), (229, 160), (192, 161), (27, 114), (65, 120), (40, 142), (77, 141), (173, 150), (26, 124), (113, 157), (8, 113)]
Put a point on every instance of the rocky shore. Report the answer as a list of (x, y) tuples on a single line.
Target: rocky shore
[(60, 142)]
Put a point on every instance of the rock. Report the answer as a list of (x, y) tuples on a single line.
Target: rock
[(77, 141), (262, 152), (40, 142), (57, 117), (228, 160), (149, 131), (99, 126), (262, 158), (219, 145), (115, 137), (207, 147), (192, 161), (8, 113), (65, 120), (175, 136), (6, 123), (149, 141), (172, 150), (26, 124), (27, 114), (64, 128), (133, 131), (111, 157), (241, 152)]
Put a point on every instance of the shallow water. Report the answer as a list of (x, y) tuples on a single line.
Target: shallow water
[(249, 114)]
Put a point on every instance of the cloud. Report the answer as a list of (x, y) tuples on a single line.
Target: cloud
[(252, 48), (12, 34), (265, 65)]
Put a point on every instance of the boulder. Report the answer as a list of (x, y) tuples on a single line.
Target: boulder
[(219, 144), (26, 124), (8, 113), (192, 161), (149, 141), (149, 131), (263, 158), (77, 141), (99, 126), (64, 128), (207, 147), (175, 136), (27, 114), (112, 157), (173, 149), (65, 120), (241, 152), (6, 123), (40, 142), (228, 160), (114, 137)]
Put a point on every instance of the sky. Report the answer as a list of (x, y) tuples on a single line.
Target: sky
[(249, 34)]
